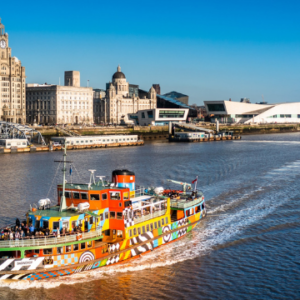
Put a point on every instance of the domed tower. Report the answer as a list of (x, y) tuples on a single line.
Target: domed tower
[(119, 81), (152, 93)]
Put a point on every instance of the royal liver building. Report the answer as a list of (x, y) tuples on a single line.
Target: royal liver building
[(12, 83), (120, 100)]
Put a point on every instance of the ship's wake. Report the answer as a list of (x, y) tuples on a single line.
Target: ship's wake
[(230, 214)]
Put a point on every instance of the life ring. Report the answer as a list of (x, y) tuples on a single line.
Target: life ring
[(79, 237)]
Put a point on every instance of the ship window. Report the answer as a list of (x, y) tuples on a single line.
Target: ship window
[(37, 251), (127, 203), (68, 248), (60, 250), (45, 224), (125, 196), (166, 220), (104, 196), (101, 217), (147, 226), (120, 233), (130, 233), (159, 224), (67, 194), (76, 195), (139, 230), (155, 225), (73, 224), (112, 215), (84, 196), (107, 232), (91, 220), (89, 244), (115, 195), (55, 225), (47, 251), (144, 230), (82, 246), (151, 226), (119, 216), (106, 215), (134, 231), (75, 247), (95, 197), (162, 222), (202, 206)]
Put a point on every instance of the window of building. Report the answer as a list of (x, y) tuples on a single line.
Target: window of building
[(143, 115), (171, 113), (150, 114), (216, 107), (94, 197)]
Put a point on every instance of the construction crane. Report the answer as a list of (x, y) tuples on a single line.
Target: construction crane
[(184, 184)]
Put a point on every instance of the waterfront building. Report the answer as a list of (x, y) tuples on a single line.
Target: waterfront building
[(178, 96), (157, 88), (98, 95), (12, 82), (160, 116), (123, 99), (56, 104), (246, 113)]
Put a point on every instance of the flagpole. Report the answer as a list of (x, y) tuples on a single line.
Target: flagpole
[(196, 183)]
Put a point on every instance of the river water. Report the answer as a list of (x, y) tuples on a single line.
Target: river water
[(247, 248)]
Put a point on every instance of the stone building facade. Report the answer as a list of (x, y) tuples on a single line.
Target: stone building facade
[(55, 104), (12, 83), (119, 102)]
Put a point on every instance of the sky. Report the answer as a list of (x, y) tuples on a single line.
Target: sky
[(209, 50)]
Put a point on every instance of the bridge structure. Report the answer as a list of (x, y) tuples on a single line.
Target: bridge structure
[(187, 127), (10, 130), (66, 131)]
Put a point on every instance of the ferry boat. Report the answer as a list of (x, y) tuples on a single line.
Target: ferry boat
[(97, 224)]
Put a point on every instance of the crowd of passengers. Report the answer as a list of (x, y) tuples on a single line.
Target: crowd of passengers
[(177, 196), (23, 231)]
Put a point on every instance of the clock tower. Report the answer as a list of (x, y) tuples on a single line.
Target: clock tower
[(12, 83)]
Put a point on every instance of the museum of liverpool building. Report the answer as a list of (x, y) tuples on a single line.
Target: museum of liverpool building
[(249, 113)]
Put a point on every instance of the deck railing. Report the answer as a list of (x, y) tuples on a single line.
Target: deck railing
[(149, 216), (183, 203), (44, 241)]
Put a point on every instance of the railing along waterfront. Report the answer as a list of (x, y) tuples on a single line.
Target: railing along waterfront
[(149, 216), (44, 241), (182, 203)]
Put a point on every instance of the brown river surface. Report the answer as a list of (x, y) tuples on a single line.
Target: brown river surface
[(247, 248)]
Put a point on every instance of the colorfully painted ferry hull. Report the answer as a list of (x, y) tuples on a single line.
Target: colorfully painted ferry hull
[(118, 252)]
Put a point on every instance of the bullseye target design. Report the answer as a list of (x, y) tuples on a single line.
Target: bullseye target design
[(86, 256), (167, 238)]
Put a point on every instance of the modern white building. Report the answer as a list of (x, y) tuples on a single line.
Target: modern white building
[(160, 116), (249, 113)]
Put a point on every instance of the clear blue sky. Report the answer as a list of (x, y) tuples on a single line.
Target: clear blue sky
[(210, 50)]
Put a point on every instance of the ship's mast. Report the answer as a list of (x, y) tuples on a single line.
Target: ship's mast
[(63, 204)]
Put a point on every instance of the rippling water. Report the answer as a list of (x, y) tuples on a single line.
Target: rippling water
[(247, 248)]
